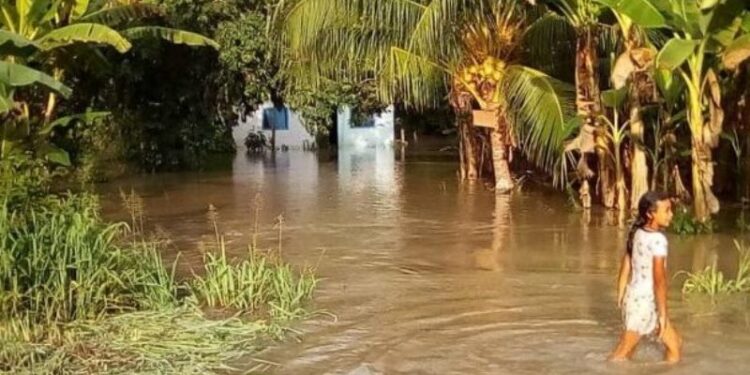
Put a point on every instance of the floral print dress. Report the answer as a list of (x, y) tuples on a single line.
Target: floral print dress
[(640, 312)]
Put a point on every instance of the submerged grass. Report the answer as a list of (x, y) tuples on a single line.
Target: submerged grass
[(712, 281), (78, 295), (173, 341)]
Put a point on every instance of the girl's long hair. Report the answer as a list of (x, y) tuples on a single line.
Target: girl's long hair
[(646, 205)]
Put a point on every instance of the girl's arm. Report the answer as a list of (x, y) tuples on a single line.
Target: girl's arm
[(660, 290), (623, 278)]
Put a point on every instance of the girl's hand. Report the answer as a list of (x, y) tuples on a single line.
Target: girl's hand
[(621, 300)]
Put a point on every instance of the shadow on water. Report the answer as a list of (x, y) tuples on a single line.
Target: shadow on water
[(430, 276)]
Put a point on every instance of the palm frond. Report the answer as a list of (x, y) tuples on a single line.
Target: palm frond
[(345, 39), (434, 32), (121, 14), (540, 106), (415, 80), (550, 44)]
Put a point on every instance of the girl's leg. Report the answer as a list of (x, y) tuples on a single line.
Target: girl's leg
[(625, 348), (673, 342)]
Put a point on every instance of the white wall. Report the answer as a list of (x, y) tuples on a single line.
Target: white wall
[(379, 135), (293, 138)]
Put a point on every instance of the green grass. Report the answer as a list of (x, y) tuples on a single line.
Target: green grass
[(173, 341), (712, 281), (59, 262), (257, 284), (78, 295)]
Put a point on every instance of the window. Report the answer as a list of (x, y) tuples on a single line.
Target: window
[(276, 118), (361, 120)]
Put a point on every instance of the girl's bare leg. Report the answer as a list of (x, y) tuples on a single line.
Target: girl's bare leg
[(625, 348), (673, 342)]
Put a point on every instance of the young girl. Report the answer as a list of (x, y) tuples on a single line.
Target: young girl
[(642, 284)]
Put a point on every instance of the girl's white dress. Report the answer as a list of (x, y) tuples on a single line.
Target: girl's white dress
[(640, 304)]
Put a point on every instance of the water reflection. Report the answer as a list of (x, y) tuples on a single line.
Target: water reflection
[(361, 169), (490, 258)]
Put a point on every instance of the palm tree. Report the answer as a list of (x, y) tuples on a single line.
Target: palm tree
[(417, 51)]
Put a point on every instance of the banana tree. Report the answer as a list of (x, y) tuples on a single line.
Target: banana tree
[(37, 31), (669, 118), (415, 50), (55, 24), (15, 127), (583, 17), (703, 34), (610, 143), (632, 69)]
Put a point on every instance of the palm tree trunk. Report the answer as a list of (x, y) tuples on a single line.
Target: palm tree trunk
[(469, 150), (467, 145), (467, 138), (503, 178)]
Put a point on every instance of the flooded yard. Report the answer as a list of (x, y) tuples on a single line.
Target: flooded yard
[(424, 275)]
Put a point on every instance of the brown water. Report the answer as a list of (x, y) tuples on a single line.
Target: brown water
[(426, 276)]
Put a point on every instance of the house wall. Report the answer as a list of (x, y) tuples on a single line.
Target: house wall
[(294, 137), (382, 134)]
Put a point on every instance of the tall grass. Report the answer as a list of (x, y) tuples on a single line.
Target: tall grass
[(59, 262), (713, 282), (78, 295), (257, 284)]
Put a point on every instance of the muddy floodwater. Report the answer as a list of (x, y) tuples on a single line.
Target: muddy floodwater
[(423, 275)]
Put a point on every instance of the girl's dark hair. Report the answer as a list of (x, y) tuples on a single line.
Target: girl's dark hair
[(646, 205)]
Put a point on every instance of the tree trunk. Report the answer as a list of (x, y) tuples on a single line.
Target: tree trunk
[(503, 178), (588, 106), (705, 202), (469, 149), (467, 138), (703, 140), (638, 165), (700, 204)]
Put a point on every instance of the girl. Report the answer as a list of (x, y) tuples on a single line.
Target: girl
[(642, 284)]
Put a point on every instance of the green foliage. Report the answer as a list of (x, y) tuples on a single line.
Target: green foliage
[(172, 106), (62, 37), (60, 263), (711, 281), (23, 181), (684, 223), (79, 295), (246, 54), (415, 53), (319, 104), (252, 285)]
